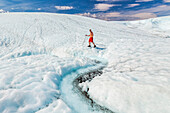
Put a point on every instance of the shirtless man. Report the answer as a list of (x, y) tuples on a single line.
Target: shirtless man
[(91, 38)]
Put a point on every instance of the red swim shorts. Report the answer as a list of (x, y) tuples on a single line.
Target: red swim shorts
[(91, 39)]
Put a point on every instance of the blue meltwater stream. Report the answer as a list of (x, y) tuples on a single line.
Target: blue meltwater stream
[(73, 97)]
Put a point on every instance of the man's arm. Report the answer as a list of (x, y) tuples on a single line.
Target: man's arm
[(87, 35)]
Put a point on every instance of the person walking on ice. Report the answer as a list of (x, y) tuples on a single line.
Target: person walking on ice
[(91, 38)]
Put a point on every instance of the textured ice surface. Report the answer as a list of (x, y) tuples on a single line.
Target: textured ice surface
[(38, 51)]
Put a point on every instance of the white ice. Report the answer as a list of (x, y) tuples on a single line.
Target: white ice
[(40, 53)]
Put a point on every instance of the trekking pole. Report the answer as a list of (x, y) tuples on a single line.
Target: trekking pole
[(83, 41)]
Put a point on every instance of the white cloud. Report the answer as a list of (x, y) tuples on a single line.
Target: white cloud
[(118, 16), (104, 7), (161, 8), (2, 11), (149, 12), (39, 9), (133, 5), (132, 15), (167, 1), (143, 0), (63, 7), (113, 14), (145, 15), (138, 15), (88, 14)]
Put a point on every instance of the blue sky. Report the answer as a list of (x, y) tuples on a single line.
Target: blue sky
[(102, 9)]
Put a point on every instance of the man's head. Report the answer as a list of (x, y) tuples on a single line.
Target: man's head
[(90, 30)]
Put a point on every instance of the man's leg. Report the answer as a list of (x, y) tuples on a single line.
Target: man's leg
[(89, 45), (94, 44)]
